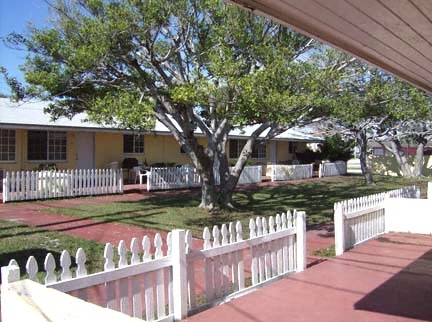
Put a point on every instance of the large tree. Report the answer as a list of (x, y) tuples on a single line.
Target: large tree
[(191, 64), (375, 106), (355, 115), (405, 118)]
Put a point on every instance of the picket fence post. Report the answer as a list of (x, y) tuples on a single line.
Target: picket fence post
[(120, 180), (339, 229), (429, 190), (301, 240), (6, 185), (10, 274), (179, 274)]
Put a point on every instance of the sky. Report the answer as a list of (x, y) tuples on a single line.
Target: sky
[(15, 15)]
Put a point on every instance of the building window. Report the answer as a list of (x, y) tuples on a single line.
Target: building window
[(291, 147), (133, 143), (259, 152), (7, 145), (236, 146), (46, 146)]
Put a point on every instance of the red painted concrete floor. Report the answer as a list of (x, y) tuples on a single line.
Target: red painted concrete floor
[(386, 279)]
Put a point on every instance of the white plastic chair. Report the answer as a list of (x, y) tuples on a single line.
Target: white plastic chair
[(139, 174)]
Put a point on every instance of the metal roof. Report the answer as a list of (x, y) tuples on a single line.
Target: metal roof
[(31, 115), (28, 115), (395, 35)]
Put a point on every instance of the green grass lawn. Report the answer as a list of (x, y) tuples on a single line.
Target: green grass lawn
[(180, 211), (18, 241)]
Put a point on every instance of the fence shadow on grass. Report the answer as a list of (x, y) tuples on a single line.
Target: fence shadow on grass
[(21, 256), (407, 294)]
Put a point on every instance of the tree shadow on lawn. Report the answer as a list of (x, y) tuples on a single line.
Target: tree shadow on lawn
[(192, 200), (317, 198)]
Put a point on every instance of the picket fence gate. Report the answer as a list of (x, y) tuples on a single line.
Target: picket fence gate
[(328, 169), (360, 219), (47, 184), (167, 178), (249, 175), (291, 172), (185, 177), (167, 284)]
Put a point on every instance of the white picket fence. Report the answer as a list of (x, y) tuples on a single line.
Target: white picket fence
[(360, 219), (169, 285), (291, 172), (167, 178), (249, 175), (188, 177), (30, 185), (328, 169)]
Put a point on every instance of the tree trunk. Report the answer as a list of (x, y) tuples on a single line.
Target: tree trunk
[(209, 196), (229, 178), (203, 160), (401, 159), (206, 161), (361, 140), (209, 193), (206, 158), (227, 188), (419, 160)]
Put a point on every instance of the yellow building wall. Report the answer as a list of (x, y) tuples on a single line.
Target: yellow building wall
[(387, 165), (157, 149), (165, 149), (283, 155), (108, 148), (282, 152)]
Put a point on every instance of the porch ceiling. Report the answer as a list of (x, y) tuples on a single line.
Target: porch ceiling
[(393, 35)]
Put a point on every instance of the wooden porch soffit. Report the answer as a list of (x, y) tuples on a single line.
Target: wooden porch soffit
[(393, 35)]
